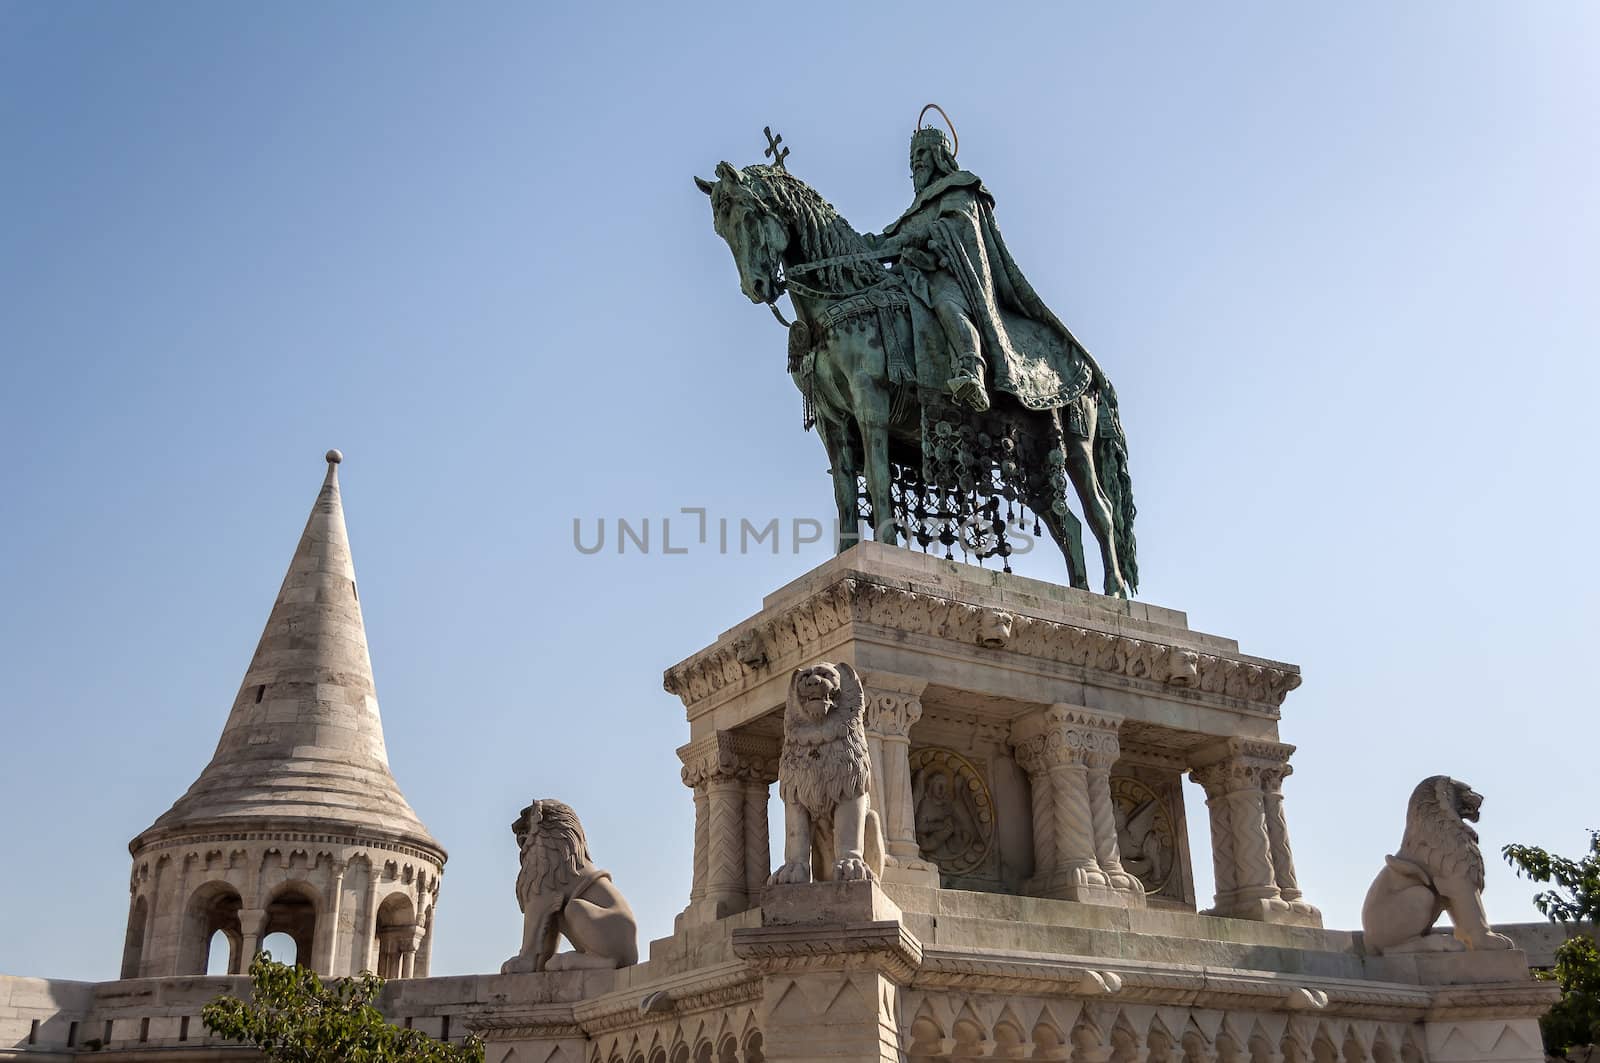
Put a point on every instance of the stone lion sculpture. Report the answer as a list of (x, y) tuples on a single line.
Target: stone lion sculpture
[(1438, 868), (561, 892), (830, 832)]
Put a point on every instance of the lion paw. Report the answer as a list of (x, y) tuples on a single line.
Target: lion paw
[(794, 873), (851, 869), (519, 965), (1492, 940)]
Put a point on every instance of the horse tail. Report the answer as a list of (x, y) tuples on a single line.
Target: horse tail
[(1111, 469)]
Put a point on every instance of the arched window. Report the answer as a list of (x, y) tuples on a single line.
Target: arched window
[(213, 907), (220, 952), (282, 947), (396, 933), (292, 913)]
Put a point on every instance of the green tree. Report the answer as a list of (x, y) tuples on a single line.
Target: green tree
[(294, 1018), (1575, 1019)]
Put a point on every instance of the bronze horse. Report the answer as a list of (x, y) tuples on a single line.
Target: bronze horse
[(848, 355)]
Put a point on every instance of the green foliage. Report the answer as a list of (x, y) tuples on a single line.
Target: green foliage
[(1575, 1019), (294, 1018)]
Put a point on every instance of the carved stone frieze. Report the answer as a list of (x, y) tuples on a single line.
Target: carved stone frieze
[(779, 640)]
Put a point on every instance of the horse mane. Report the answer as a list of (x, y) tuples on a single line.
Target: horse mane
[(823, 231)]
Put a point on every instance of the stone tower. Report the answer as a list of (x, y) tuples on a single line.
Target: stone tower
[(296, 825)]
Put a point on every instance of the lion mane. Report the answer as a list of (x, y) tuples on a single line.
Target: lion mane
[(555, 852), (824, 760), (1437, 836)]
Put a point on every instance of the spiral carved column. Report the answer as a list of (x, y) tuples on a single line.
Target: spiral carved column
[(1252, 865), (730, 774), (1067, 751), (1107, 851), (1278, 838)]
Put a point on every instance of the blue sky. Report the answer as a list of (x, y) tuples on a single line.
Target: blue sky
[(1341, 262)]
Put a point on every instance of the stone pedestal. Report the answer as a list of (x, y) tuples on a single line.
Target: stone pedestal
[(832, 958), (1026, 738)]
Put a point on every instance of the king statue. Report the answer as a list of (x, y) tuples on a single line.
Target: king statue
[(969, 299), (949, 398)]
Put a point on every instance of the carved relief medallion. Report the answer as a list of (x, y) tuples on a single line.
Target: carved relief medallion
[(1145, 834), (954, 812)]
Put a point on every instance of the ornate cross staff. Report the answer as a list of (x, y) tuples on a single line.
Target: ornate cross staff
[(772, 151)]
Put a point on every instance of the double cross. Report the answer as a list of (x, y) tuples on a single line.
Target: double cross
[(772, 151)]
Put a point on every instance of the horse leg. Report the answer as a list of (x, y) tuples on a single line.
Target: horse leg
[(871, 400), (1068, 533), (842, 466), (1097, 507)]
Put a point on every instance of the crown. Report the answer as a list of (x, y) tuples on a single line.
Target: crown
[(933, 134)]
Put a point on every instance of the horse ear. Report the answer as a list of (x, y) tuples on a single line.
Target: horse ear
[(729, 174), (704, 185)]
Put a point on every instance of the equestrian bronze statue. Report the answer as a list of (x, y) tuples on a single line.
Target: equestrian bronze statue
[(934, 373)]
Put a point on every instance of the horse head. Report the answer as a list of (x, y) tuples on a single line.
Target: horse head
[(754, 233)]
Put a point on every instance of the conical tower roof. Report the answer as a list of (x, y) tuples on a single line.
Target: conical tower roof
[(303, 747)]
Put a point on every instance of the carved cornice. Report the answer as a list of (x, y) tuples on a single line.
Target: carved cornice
[(886, 946), (786, 637), (729, 755), (726, 986), (722, 986), (213, 838), (492, 1031), (1494, 1001), (1126, 983)]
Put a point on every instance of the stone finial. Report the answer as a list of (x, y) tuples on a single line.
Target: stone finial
[(334, 457), (1438, 868)]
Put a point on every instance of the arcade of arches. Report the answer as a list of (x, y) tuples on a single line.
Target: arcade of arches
[(357, 912)]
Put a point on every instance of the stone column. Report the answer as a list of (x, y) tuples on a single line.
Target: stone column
[(1054, 746), (179, 924), (1107, 851), (726, 886), (410, 945), (757, 841), (1278, 838), (327, 951), (894, 703), (251, 920), (733, 772), (425, 950), (362, 950), (1233, 773), (702, 839)]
